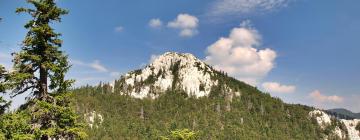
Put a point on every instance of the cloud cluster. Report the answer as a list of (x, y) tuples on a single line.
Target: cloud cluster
[(91, 72), (155, 23), (275, 87), (239, 7), (317, 96), (119, 29), (186, 23), (95, 65), (237, 55)]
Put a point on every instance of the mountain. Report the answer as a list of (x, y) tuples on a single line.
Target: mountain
[(180, 92), (170, 71), (343, 113)]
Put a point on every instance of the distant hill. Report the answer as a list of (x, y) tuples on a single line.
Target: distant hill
[(178, 91), (343, 113)]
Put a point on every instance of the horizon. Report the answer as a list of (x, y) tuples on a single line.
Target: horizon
[(300, 51)]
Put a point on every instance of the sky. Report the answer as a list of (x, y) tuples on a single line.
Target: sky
[(302, 51)]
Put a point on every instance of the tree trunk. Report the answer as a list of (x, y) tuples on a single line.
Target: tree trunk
[(43, 83), (228, 99), (228, 106), (218, 108), (142, 113)]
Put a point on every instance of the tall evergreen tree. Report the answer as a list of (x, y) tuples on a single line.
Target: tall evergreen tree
[(40, 60), (40, 53)]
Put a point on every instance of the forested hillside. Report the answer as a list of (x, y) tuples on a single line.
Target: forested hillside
[(343, 113), (253, 115)]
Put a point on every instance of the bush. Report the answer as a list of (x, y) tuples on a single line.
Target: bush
[(184, 134)]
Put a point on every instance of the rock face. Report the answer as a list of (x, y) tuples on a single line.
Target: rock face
[(170, 71), (325, 120), (93, 119), (321, 117), (352, 132)]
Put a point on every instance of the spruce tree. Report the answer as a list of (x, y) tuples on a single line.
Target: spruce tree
[(39, 70), (40, 53)]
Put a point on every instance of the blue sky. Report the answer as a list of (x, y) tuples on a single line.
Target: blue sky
[(315, 42)]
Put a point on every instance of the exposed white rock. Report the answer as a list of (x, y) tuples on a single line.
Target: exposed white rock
[(112, 86), (352, 132), (193, 76), (323, 119), (93, 119)]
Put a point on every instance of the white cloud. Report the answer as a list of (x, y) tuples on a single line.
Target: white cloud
[(115, 74), (119, 29), (97, 66), (155, 23), (240, 7), (275, 87), (97, 73), (187, 24), (317, 96), (237, 55)]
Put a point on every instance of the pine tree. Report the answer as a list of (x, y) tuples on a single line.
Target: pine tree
[(40, 53), (40, 60), (3, 104)]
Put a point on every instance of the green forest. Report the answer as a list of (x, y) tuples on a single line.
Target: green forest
[(253, 115)]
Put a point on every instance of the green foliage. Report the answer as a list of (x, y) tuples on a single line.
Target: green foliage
[(358, 126), (175, 72), (55, 120), (16, 126), (150, 80), (184, 134), (42, 118), (2, 78), (329, 129), (48, 113), (3, 104)]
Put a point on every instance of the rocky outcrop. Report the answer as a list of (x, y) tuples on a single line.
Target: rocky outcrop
[(172, 71), (351, 127), (93, 119), (344, 129)]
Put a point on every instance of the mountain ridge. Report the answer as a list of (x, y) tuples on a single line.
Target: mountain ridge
[(343, 113), (178, 91)]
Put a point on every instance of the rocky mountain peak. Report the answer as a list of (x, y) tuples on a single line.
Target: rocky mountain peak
[(170, 59), (170, 71)]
